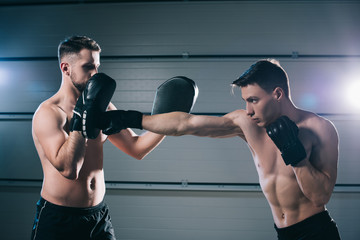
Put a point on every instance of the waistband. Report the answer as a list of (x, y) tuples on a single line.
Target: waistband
[(322, 217), (72, 210)]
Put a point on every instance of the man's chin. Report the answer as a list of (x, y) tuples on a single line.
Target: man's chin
[(80, 87), (261, 124)]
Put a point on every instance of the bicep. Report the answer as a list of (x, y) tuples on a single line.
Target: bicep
[(49, 133), (124, 140), (325, 152), (330, 152)]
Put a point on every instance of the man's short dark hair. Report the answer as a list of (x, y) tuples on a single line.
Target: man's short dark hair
[(74, 44), (267, 73)]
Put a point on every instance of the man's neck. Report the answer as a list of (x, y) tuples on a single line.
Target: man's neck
[(290, 110), (68, 94)]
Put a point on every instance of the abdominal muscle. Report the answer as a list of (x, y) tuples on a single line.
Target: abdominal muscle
[(287, 202), (82, 192), (279, 184), (86, 191)]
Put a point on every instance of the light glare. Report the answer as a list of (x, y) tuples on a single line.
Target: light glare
[(353, 95), (3, 77)]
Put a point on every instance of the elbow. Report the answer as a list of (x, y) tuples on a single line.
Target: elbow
[(71, 174), (322, 197), (177, 134), (140, 156), (321, 200), (184, 128), (179, 130)]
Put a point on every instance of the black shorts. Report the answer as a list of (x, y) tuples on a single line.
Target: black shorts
[(58, 222), (317, 227)]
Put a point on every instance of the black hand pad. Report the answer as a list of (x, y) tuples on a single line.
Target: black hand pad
[(176, 94)]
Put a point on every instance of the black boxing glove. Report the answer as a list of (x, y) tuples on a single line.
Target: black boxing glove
[(91, 104), (112, 122), (284, 133)]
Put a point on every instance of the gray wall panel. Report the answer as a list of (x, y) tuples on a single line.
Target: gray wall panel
[(18, 157), (244, 27)]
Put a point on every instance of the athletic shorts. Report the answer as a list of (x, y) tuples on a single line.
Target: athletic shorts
[(317, 227), (57, 222)]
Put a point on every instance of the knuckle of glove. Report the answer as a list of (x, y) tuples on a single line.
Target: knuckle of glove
[(278, 133)]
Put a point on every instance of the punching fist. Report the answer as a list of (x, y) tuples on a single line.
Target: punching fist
[(92, 102), (112, 122), (284, 134)]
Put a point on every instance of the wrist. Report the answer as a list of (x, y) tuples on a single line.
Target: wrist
[(77, 140), (76, 123), (134, 119)]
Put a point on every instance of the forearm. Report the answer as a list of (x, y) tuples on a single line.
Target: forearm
[(146, 143), (133, 145), (317, 186), (70, 156), (172, 124)]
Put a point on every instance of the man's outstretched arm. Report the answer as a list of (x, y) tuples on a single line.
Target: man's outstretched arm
[(180, 123)]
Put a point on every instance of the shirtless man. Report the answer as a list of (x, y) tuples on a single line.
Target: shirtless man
[(296, 159), (71, 204)]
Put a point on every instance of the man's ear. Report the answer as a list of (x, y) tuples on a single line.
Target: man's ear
[(278, 93), (65, 68)]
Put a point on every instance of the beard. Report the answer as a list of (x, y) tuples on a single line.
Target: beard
[(78, 86)]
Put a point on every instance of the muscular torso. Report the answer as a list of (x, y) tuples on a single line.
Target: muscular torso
[(89, 188), (279, 183)]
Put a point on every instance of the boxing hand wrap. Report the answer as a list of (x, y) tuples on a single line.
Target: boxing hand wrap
[(112, 122), (91, 104), (176, 94), (76, 120), (284, 133)]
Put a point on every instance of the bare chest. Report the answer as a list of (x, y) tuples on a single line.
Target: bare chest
[(269, 164)]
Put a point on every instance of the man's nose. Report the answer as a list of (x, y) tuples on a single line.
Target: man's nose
[(249, 110), (95, 71)]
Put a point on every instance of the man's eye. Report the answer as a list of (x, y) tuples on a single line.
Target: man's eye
[(89, 67)]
